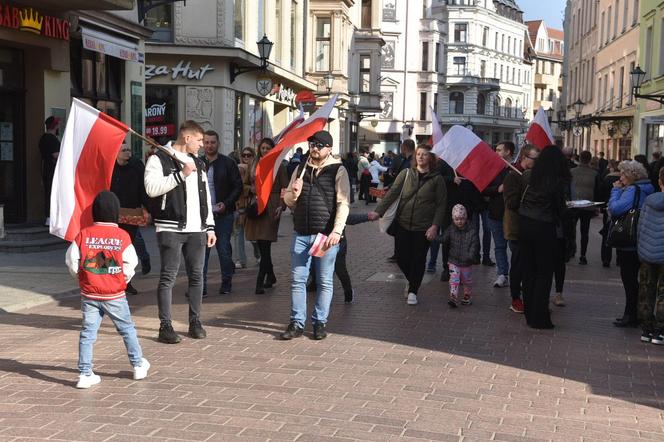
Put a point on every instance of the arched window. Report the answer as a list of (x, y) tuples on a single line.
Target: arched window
[(496, 106), (456, 103), (481, 104), (508, 108)]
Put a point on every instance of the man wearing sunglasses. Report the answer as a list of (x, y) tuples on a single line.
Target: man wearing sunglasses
[(318, 195)]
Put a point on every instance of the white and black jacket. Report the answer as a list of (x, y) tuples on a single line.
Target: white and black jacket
[(178, 204)]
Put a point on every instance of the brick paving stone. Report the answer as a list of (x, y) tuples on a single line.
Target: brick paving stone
[(386, 372)]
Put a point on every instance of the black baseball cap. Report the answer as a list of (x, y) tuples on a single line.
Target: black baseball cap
[(51, 122), (323, 137)]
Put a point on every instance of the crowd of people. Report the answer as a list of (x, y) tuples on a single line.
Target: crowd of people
[(199, 202)]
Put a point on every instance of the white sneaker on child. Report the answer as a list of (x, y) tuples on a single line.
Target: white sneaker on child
[(412, 299), (141, 372), (87, 380)]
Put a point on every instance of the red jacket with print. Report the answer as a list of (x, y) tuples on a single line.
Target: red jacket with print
[(101, 275)]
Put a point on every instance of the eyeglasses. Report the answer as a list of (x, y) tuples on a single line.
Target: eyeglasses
[(247, 155), (315, 145)]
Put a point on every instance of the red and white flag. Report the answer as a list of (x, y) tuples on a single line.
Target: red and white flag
[(299, 119), (467, 154), (90, 145), (539, 133), (268, 166)]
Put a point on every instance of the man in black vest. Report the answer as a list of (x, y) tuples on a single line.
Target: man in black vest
[(318, 195), (182, 214), (225, 186)]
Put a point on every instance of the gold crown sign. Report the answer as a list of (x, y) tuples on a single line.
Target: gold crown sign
[(30, 21)]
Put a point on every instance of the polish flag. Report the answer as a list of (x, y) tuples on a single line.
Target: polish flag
[(299, 119), (268, 166), (539, 133), (90, 145), (467, 154)]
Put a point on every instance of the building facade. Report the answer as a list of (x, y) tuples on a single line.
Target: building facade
[(192, 63), (649, 133), (602, 50), (546, 46), (51, 51)]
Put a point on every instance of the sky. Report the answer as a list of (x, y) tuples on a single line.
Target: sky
[(551, 11)]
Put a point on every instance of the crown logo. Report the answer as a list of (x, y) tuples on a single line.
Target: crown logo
[(30, 21)]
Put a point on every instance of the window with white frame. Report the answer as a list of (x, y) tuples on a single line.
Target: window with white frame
[(323, 39), (459, 65), (456, 103), (365, 74), (460, 32)]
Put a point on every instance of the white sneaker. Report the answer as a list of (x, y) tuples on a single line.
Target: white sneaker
[(87, 380), (142, 371), (501, 281), (238, 265), (412, 299)]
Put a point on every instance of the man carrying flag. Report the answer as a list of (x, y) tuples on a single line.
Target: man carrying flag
[(318, 195), (182, 214)]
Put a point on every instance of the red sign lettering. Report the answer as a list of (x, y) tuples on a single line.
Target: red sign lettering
[(31, 20)]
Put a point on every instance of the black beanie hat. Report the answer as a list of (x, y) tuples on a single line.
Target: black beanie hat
[(106, 208)]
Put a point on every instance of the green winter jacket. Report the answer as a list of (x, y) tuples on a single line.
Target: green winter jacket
[(422, 203)]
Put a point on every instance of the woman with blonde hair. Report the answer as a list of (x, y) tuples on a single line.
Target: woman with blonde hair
[(246, 160), (629, 191), (264, 228)]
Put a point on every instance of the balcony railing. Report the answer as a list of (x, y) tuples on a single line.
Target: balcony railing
[(501, 112), (473, 80)]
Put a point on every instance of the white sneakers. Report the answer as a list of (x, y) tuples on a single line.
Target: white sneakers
[(87, 380), (142, 371), (501, 281), (412, 299)]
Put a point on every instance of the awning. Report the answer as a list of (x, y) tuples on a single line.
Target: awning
[(98, 41)]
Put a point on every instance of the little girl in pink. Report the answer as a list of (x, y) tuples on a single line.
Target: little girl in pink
[(462, 242)]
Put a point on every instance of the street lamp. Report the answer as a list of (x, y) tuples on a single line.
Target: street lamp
[(264, 50), (638, 75), (578, 106), (549, 114), (329, 81)]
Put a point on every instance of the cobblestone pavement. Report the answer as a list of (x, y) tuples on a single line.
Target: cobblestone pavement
[(387, 371)]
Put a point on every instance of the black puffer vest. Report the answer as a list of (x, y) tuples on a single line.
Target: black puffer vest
[(317, 204), (170, 209)]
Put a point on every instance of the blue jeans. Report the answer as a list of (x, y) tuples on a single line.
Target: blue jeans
[(502, 265), (93, 312), (139, 245), (324, 268), (238, 236), (223, 229)]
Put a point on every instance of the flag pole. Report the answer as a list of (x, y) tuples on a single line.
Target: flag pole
[(152, 143), (511, 166)]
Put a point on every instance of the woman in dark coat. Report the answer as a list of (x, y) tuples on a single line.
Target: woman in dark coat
[(540, 216)]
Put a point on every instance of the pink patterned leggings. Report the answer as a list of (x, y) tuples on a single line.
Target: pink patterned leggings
[(458, 276)]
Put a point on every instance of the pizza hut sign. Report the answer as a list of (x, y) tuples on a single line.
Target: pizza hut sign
[(181, 70)]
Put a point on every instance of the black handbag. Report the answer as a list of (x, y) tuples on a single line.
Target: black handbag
[(252, 209), (622, 230)]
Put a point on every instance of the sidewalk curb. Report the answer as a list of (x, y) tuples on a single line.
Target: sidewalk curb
[(39, 299)]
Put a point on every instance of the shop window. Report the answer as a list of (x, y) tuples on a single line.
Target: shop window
[(160, 20), (456, 103), (96, 79), (10, 76), (239, 122), (323, 36), (161, 112)]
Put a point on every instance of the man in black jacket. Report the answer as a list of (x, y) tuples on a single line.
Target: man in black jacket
[(400, 163), (225, 185)]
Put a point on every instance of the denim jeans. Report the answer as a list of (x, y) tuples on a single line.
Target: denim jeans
[(486, 233), (516, 274), (223, 228), (139, 245), (93, 312), (192, 246), (502, 265), (300, 261)]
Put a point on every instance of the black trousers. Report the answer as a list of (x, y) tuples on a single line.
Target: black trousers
[(365, 180), (411, 250), (516, 273), (606, 251), (537, 239), (629, 274), (265, 267), (584, 216), (561, 264)]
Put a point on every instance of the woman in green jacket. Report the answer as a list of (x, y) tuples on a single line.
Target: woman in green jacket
[(421, 196)]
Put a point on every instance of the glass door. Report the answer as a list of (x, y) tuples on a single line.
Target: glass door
[(12, 149)]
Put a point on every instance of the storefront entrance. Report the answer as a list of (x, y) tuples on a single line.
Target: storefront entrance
[(12, 137)]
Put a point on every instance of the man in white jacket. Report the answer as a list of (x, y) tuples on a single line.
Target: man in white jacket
[(182, 214)]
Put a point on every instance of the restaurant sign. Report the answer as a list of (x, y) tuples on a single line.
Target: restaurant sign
[(31, 20)]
